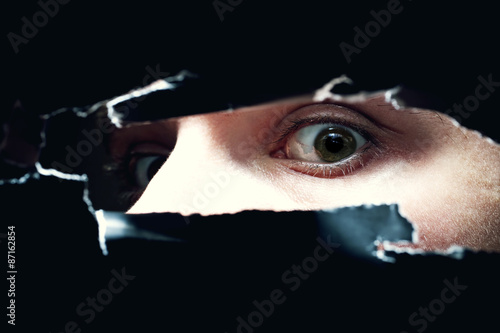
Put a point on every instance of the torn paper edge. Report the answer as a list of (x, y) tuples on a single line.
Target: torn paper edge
[(325, 93), (101, 226), (161, 84), (454, 251), (320, 95), (112, 226), (20, 180)]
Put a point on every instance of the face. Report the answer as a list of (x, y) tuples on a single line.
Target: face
[(308, 154)]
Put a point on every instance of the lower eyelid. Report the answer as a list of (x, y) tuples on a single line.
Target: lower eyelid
[(351, 165), (373, 150)]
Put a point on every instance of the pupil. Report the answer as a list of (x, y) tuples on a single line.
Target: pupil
[(155, 166), (334, 143)]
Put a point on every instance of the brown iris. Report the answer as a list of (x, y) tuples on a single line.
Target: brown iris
[(334, 144)]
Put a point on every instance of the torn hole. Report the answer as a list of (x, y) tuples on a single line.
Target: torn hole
[(89, 156)]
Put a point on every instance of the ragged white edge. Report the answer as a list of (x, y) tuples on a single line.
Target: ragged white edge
[(488, 139), (389, 97), (59, 174), (56, 112), (161, 84), (155, 86), (324, 93), (86, 199), (454, 251), (380, 253), (414, 233), (477, 133), (76, 110), (21, 180), (102, 226), (90, 110), (484, 137), (112, 227), (85, 196)]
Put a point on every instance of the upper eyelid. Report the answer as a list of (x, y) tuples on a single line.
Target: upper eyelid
[(310, 120), (289, 126), (360, 109), (161, 132)]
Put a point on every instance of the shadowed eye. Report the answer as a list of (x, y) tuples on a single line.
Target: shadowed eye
[(327, 141), (323, 143), (145, 167)]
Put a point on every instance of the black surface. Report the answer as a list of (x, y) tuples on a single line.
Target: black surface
[(92, 50), (229, 262)]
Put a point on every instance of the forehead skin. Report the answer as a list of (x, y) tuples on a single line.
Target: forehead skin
[(445, 178)]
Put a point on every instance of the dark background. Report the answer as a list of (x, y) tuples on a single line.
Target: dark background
[(91, 51)]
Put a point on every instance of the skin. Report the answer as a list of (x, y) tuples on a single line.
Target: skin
[(444, 177)]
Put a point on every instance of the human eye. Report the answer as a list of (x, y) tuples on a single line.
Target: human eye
[(326, 141), (144, 167), (138, 166)]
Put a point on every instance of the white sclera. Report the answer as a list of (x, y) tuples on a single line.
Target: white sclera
[(142, 168), (301, 145)]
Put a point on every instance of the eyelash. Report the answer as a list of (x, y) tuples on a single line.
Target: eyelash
[(323, 170), (334, 170), (329, 170)]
